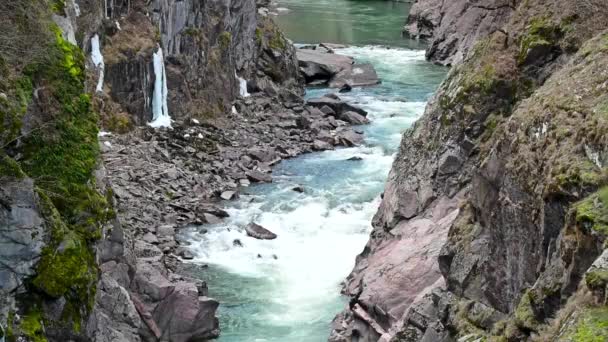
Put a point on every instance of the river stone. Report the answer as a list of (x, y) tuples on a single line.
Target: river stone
[(256, 231), (354, 118), (259, 177), (358, 75), (338, 106), (318, 65)]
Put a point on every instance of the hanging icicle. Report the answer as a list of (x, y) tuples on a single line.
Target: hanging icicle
[(97, 58), (242, 86), (160, 112)]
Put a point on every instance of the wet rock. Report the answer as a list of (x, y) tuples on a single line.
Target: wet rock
[(355, 158), (335, 70), (237, 243), (318, 65), (358, 75), (299, 189), (211, 219), (185, 254), (354, 118), (348, 138), (259, 177), (338, 106), (345, 88), (256, 231)]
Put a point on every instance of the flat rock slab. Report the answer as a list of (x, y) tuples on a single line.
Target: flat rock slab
[(358, 75), (319, 67), (256, 231), (337, 106), (318, 64)]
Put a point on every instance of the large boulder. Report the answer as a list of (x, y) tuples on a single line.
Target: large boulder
[(184, 316), (320, 67), (256, 231), (358, 75), (337, 106), (316, 65)]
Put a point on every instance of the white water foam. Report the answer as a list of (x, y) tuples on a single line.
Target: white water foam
[(319, 231), (160, 112)]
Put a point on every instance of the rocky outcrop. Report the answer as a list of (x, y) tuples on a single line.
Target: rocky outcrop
[(324, 67), (453, 27), (509, 138), (207, 47)]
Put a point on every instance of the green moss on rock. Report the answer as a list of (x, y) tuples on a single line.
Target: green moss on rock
[(224, 40), (590, 326), (592, 212), (524, 313), (9, 167), (32, 327), (597, 279), (540, 32)]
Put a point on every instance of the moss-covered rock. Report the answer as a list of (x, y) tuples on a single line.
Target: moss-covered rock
[(591, 325), (592, 212)]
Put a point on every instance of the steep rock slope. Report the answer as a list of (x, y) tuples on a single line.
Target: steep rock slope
[(453, 27), (69, 267), (494, 208)]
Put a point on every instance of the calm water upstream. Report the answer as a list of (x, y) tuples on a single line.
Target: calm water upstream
[(288, 289)]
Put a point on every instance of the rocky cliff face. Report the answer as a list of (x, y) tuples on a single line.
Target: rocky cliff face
[(71, 267), (493, 213), (453, 27)]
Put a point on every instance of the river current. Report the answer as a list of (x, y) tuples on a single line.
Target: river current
[(288, 289)]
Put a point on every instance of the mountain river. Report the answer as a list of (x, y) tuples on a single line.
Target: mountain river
[(288, 289)]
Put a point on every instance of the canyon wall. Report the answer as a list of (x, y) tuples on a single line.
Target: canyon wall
[(70, 268), (492, 225)]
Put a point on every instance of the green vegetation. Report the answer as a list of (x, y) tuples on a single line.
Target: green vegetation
[(591, 326), (540, 32), (32, 326), (259, 36), (59, 152), (224, 40), (118, 123), (13, 106), (592, 212), (597, 279), (269, 33), (58, 6), (9, 167), (524, 313)]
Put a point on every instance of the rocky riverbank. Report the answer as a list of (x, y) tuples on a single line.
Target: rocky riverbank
[(167, 179), (492, 223)]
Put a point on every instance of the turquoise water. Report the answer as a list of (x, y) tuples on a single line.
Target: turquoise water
[(288, 289), (346, 22)]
